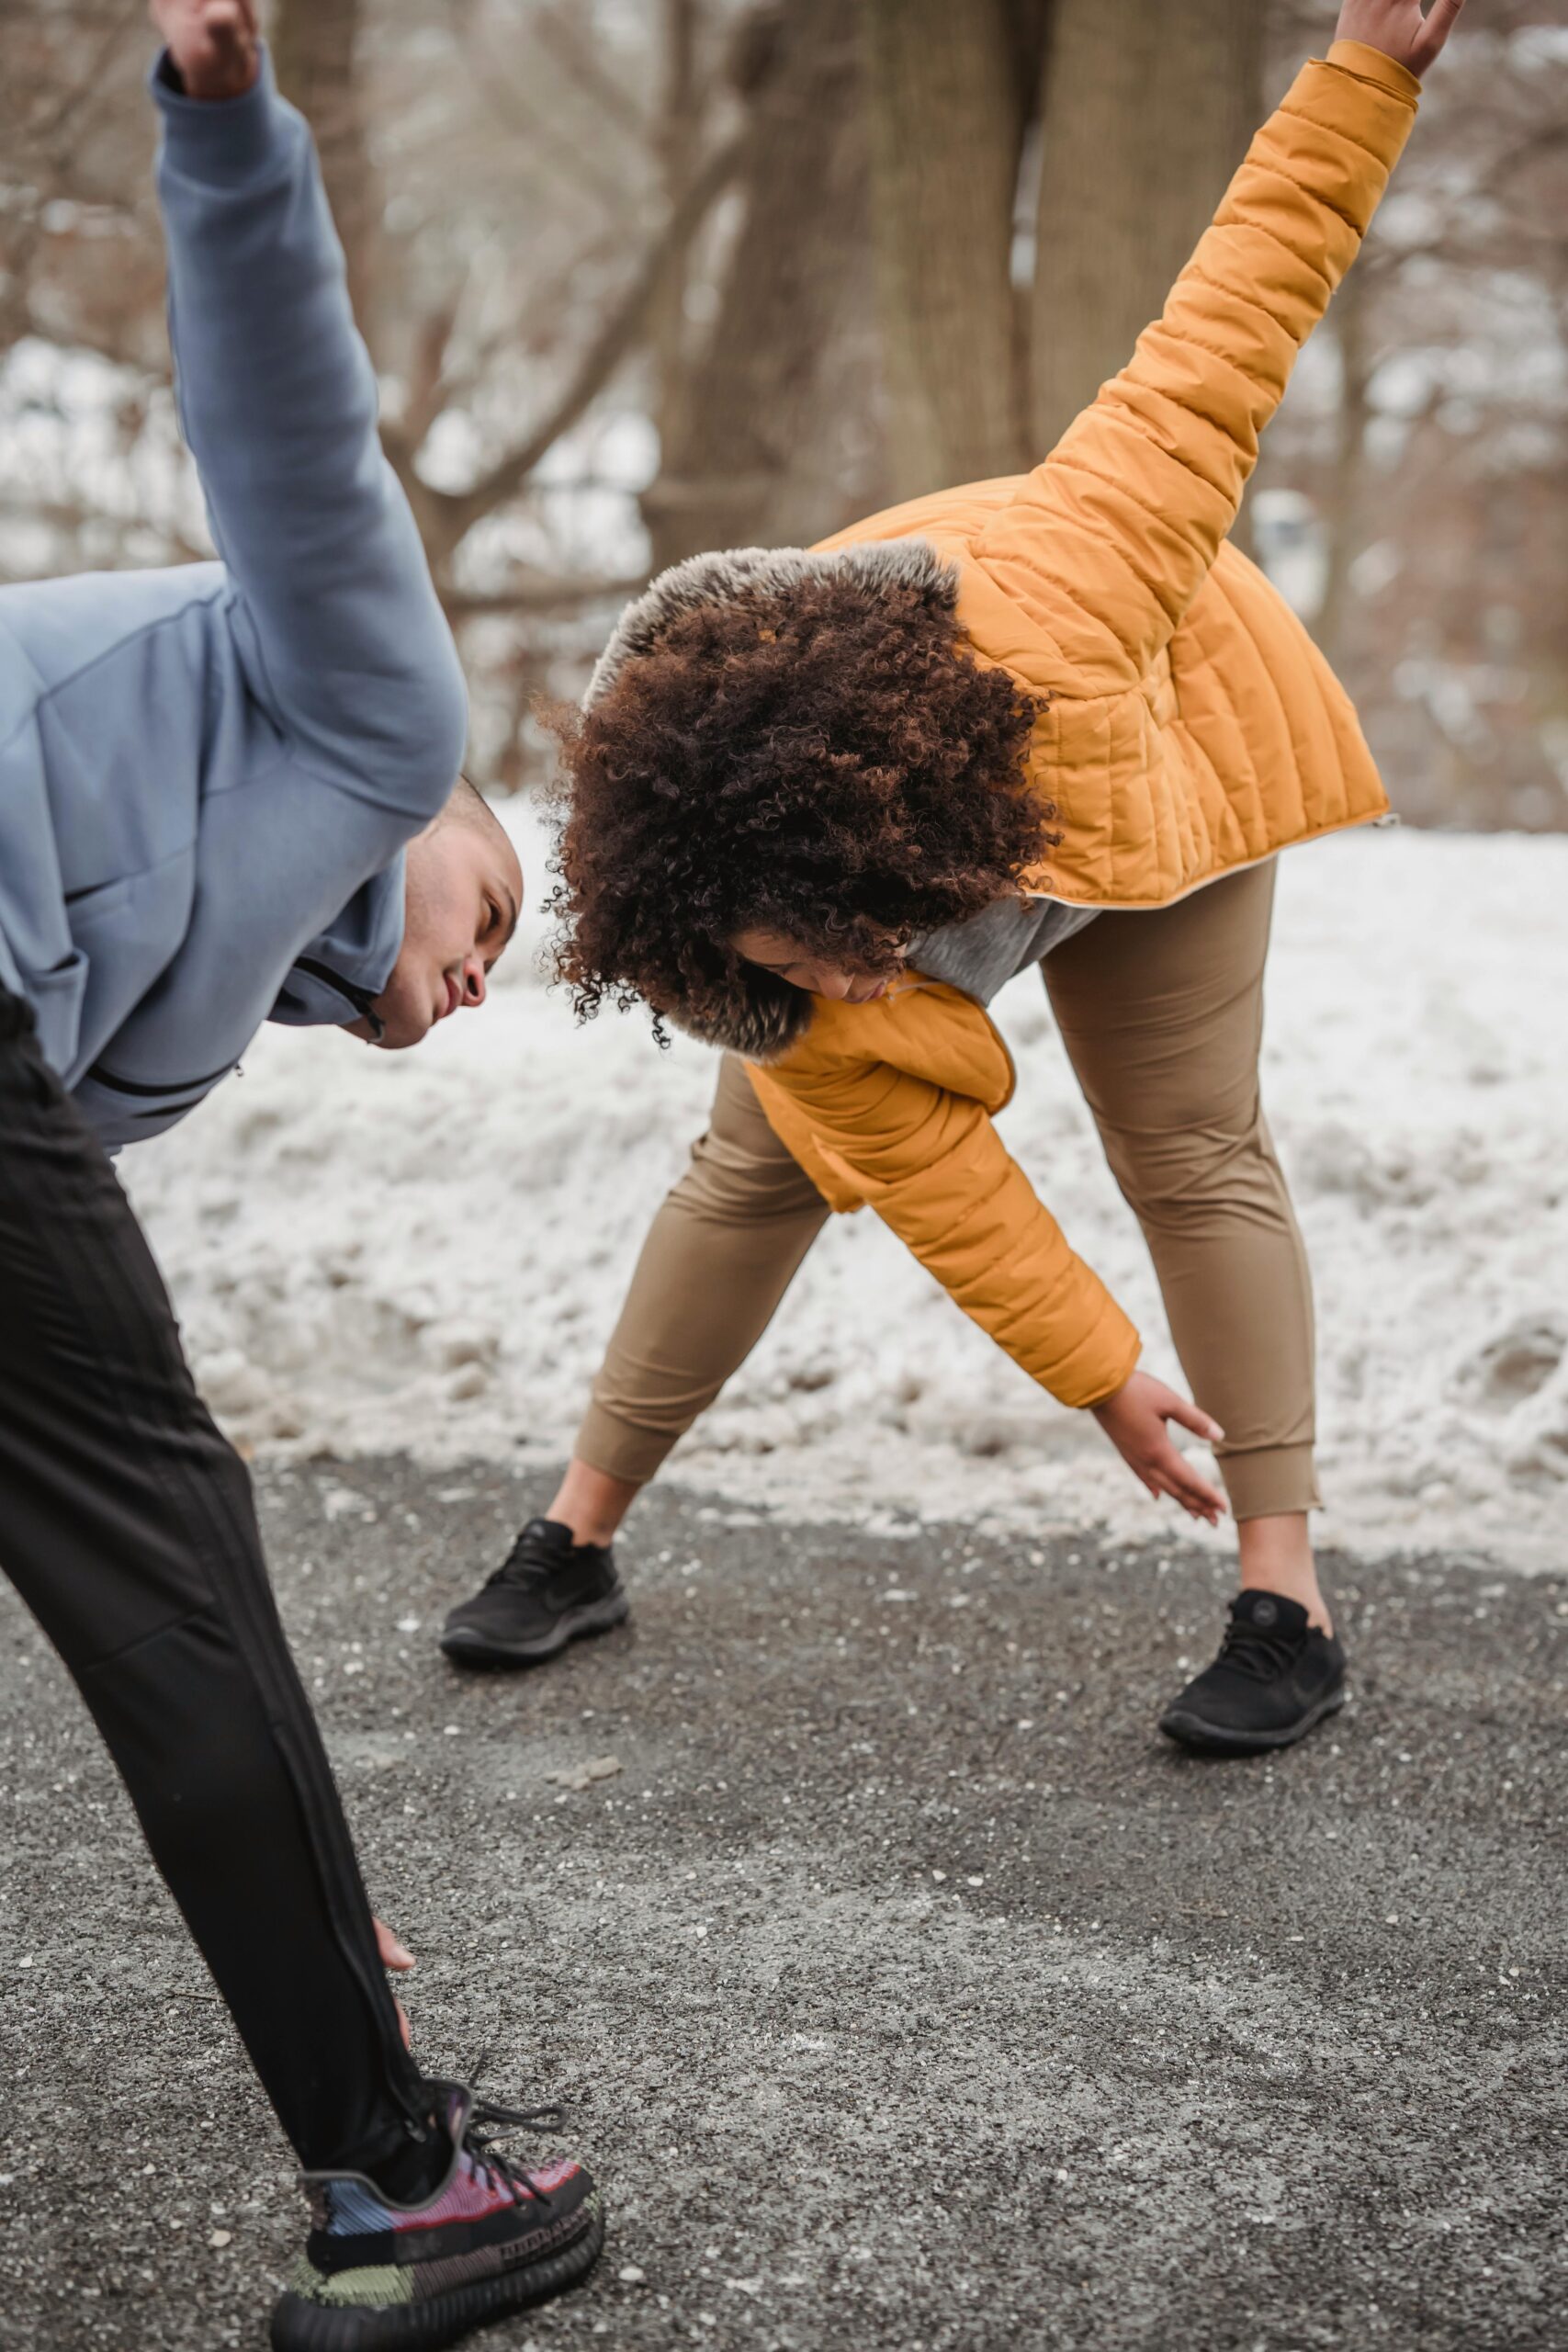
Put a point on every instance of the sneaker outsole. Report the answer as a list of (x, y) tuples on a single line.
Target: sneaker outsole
[(468, 1646), (300, 2325), (1218, 1739)]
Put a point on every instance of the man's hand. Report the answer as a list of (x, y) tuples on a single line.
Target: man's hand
[(1399, 29), (213, 45), (393, 1955), (1135, 1420)]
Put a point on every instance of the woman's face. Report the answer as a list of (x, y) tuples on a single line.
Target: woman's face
[(803, 967)]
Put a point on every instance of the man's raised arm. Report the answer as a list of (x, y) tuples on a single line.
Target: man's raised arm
[(342, 640)]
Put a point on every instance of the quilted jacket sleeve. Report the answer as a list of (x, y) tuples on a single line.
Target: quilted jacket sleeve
[(1111, 537), (932, 1166)]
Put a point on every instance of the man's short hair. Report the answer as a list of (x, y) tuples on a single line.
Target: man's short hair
[(467, 806)]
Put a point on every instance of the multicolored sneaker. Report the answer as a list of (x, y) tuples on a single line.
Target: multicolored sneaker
[(377, 2276)]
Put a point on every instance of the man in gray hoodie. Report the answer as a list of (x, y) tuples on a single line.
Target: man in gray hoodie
[(227, 793)]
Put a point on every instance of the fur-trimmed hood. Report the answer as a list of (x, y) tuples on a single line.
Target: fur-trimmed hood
[(739, 575), (768, 1015)]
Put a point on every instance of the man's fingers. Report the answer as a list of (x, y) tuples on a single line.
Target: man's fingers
[(214, 44), (392, 1952), (229, 31)]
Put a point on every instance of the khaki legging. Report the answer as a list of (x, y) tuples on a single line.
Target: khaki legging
[(1161, 1015)]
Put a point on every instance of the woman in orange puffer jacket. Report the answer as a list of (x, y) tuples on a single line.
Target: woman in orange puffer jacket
[(824, 804)]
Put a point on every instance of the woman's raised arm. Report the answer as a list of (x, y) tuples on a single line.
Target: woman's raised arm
[(1111, 537)]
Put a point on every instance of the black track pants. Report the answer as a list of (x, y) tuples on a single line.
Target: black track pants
[(128, 1527)]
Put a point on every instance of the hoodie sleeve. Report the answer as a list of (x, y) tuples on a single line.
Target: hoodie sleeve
[(339, 631), (1111, 538)]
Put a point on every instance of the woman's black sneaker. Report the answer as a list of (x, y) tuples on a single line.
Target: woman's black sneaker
[(1275, 1677), (548, 1591)]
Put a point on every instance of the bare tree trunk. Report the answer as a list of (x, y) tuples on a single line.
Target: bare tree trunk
[(1340, 500), (744, 455), (313, 44), (948, 106), (1147, 110), (678, 139)]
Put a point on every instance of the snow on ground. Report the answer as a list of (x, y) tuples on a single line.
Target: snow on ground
[(428, 1250)]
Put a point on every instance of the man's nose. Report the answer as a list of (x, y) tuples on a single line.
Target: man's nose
[(837, 984), (475, 980)]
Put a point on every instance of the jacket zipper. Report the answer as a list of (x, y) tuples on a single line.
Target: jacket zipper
[(361, 998), (168, 1086)]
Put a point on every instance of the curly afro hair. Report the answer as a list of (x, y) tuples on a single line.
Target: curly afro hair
[(818, 754)]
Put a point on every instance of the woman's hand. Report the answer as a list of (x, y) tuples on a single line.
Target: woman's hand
[(1399, 29), (393, 1955), (213, 45), (1135, 1420)]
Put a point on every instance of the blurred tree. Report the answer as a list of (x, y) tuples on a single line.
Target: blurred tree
[(1145, 111), (622, 287), (314, 47), (1005, 306), (74, 219), (747, 433), (950, 97), (1426, 436)]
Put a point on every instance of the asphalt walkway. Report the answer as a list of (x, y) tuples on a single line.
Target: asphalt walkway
[(909, 1992)]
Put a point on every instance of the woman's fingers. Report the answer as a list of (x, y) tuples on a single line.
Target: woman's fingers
[(1441, 17), (1178, 1478), (1413, 37), (1136, 1419), (1192, 1417)]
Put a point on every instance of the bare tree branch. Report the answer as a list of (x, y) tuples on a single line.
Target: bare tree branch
[(537, 592), (501, 94), (560, 32), (618, 333), (68, 109)]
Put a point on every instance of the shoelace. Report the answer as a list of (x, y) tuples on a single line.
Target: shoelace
[(494, 2166), (529, 1557), (1263, 1652)]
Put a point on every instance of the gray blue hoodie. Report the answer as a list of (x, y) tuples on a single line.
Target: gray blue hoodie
[(207, 775)]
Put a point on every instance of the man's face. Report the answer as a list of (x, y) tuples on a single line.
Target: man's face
[(464, 890)]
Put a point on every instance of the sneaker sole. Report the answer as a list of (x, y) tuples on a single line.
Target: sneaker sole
[(300, 2325), (1216, 1739), (472, 1648)]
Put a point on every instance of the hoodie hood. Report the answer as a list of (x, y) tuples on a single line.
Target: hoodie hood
[(766, 1016), (334, 977)]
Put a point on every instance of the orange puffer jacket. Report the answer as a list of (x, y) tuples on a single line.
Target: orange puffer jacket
[(1192, 727)]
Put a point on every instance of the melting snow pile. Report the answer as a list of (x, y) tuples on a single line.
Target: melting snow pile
[(427, 1250)]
